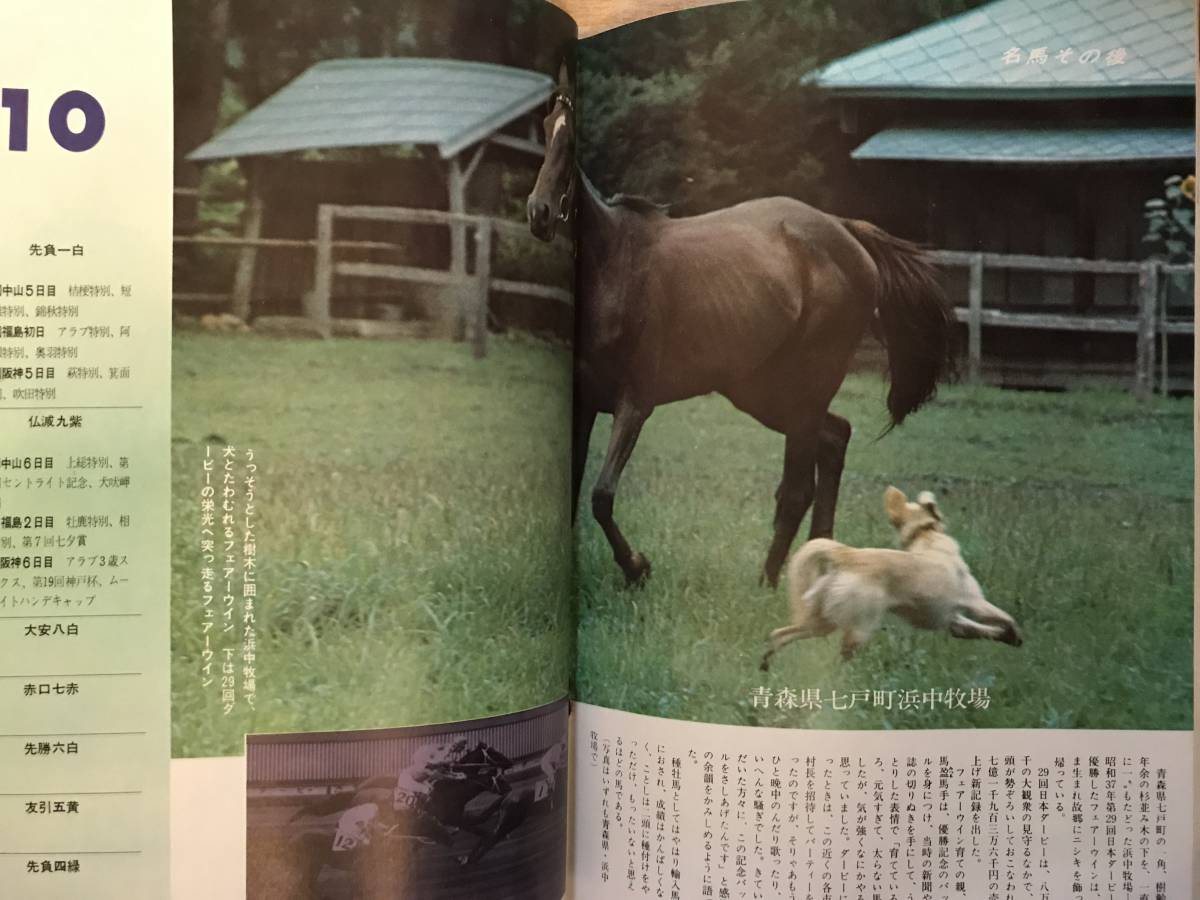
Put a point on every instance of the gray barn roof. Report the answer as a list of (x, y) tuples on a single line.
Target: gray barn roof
[(450, 104), (1024, 142), (965, 56)]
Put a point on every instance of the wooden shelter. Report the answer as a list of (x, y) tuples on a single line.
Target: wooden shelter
[(451, 110), (1033, 127)]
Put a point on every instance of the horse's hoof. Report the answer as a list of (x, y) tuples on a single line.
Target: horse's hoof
[(765, 665), (637, 571), (768, 579)]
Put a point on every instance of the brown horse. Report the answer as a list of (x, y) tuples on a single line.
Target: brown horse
[(763, 302)]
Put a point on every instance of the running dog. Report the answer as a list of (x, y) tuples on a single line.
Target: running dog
[(926, 583)]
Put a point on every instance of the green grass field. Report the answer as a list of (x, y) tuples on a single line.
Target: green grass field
[(412, 507), (413, 530), (1073, 511)]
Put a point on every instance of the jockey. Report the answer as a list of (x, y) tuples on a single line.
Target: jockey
[(354, 827), (410, 799), (431, 763)]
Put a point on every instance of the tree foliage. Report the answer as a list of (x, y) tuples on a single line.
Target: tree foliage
[(707, 107), (1171, 220), (700, 109)]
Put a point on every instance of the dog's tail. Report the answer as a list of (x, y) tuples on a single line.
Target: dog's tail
[(810, 563)]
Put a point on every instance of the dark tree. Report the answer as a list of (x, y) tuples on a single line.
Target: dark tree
[(711, 106)]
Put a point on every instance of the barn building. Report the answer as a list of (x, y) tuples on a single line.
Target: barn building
[(1037, 127), (405, 132)]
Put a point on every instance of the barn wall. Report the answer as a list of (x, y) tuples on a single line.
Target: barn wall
[(1091, 212), (294, 189)]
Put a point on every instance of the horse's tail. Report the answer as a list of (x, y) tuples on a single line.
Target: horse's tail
[(916, 320)]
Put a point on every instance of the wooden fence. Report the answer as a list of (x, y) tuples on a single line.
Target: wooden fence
[(473, 288), (1148, 325), (240, 294)]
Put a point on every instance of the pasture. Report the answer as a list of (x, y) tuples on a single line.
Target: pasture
[(1074, 511), (412, 530)]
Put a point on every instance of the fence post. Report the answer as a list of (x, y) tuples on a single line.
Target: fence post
[(483, 282), (321, 302), (1147, 328), (975, 321), (1164, 379)]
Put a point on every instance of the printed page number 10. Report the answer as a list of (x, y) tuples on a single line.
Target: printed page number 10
[(16, 101)]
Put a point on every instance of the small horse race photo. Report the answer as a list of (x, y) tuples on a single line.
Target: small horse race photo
[(479, 810), (832, 260)]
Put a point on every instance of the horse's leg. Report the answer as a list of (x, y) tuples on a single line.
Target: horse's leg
[(512, 815), (628, 420), (584, 419), (794, 497), (425, 825), (309, 855), (473, 823), (831, 459)]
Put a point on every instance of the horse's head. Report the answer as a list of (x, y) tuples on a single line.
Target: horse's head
[(553, 195), (483, 777)]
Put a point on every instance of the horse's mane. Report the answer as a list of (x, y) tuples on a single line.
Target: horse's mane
[(639, 204)]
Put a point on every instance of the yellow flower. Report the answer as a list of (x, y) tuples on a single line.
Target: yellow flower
[(1189, 187)]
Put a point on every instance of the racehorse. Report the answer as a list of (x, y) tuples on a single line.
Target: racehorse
[(377, 863), (543, 795), (763, 302)]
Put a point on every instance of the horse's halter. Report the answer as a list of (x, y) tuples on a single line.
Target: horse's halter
[(566, 202)]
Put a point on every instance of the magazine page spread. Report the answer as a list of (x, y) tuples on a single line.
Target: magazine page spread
[(975, 678), (465, 449)]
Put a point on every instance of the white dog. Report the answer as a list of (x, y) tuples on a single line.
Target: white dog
[(926, 583)]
